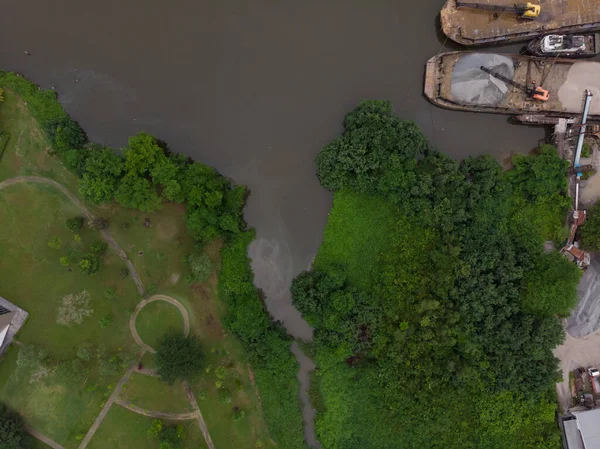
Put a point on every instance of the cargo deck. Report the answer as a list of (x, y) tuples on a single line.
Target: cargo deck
[(565, 79), (476, 27)]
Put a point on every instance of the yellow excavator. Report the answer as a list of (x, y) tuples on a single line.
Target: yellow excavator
[(527, 11)]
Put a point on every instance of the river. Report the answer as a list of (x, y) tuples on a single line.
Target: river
[(253, 88)]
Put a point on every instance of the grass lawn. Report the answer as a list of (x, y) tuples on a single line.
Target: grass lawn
[(357, 230), (123, 429), (64, 403), (154, 394), (157, 319), (26, 152)]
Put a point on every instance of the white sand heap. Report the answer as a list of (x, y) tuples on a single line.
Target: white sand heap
[(582, 75)]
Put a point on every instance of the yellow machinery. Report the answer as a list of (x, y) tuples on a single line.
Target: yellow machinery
[(527, 11)]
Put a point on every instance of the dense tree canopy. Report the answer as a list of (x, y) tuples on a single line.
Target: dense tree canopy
[(12, 431), (179, 357), (460, 308)]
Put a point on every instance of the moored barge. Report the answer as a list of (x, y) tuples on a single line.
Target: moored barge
[(455, 80), (479, 26)]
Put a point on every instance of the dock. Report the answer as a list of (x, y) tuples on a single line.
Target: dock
[(469, 26)]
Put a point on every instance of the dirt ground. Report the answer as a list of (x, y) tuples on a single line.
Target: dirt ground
[(575, 352)]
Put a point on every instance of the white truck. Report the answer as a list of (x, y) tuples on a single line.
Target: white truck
[(594, 379)]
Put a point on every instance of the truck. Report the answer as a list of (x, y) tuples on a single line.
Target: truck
[(594, 379)]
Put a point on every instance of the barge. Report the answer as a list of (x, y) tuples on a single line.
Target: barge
[(479, 26), (473, 82), (565, 45)]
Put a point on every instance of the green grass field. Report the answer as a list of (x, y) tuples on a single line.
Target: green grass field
[(154, 394), (357, 230), (123, 429), (157, 319)]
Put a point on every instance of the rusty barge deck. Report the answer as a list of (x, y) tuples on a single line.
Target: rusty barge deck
[(477, 27), (566, 80)]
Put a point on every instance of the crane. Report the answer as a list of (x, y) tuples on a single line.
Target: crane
[(527, 11), (537, 92)]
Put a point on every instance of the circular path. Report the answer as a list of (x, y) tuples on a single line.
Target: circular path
[(142, 304)]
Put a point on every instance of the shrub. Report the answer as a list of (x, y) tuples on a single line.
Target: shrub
[(586, 150), (84, 352), (111, 293), (55, 243), (155, 428), (200, 266), (221, 372), (98, 223), (105, 320), (90, 264), (74, 224), (98, 247), (225, 395), (238, 414), (64, 261)]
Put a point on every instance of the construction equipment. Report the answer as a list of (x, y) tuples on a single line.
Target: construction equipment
[(527, 11), (536, 92)]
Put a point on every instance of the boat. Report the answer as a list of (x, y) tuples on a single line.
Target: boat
[(507, 84), (565, 45), (482, 25)]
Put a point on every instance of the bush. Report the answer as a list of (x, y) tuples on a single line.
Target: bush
[(55, 243), (84, 352), (74, 224), (98, 247), (64, 261), (155, 428), (586, 150), (105, 320), (238, 414), (224, 395), (179, 357), (200, 266), (90, 264)]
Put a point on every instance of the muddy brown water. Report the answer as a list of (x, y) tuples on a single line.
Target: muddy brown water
[(252, 88)]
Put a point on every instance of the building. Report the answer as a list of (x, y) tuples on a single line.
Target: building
[(11, 320), (581, 430)]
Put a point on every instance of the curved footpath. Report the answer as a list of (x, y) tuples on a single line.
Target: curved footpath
[(144, 303), (114, 397)]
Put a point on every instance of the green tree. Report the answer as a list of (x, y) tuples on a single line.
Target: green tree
[(179, 357), (12, 430), (65, 134), (590, 231), (103, 171), (136, 192), (74, 224), (142, 154)]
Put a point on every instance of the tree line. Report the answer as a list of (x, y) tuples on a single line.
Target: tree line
[(450, 344)]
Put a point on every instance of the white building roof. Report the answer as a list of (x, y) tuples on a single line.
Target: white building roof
[(588, 423)]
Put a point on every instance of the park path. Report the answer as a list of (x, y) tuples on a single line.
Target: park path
[(79, 204), (156, 413), (199, 416), (43, 438), (140, 287), (113, 397), (144, 303)]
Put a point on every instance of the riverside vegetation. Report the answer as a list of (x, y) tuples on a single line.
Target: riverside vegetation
[(63, 252), (434, 304)]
